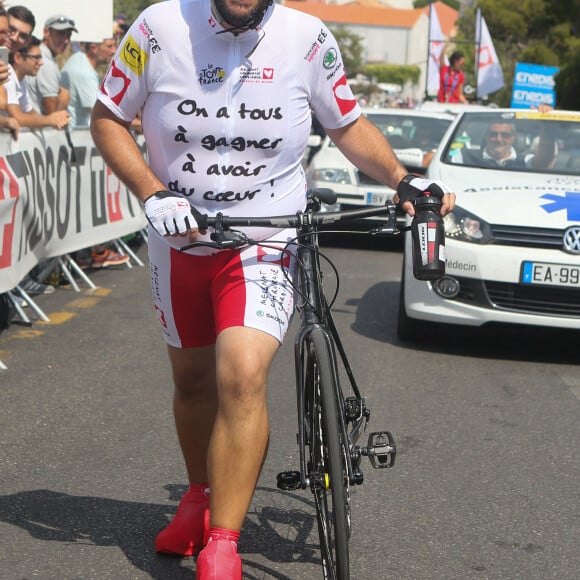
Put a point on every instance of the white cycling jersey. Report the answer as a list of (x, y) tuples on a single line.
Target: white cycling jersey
[(227, 117)]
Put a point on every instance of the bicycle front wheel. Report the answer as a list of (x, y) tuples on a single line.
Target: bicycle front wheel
[(327, 460)]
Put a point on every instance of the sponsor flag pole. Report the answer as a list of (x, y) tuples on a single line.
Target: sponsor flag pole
[(477, 45), (436, 44), (489, 77)]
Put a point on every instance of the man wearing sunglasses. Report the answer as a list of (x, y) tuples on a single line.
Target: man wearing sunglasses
[(44, 89), (499, 145), (498, 148)]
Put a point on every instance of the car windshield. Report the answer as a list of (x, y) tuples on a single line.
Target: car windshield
[(411, 132), (408, 132), (517, 141)]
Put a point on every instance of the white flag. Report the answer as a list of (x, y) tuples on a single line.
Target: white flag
[(489, 73), (436, 45)]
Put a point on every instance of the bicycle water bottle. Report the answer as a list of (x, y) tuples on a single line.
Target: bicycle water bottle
[(428, 239)]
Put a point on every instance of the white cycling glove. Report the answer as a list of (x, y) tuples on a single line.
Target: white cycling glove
[(170, 214), (411, 187)]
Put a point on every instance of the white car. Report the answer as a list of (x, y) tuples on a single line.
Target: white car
[(512, 244), (414, 136)]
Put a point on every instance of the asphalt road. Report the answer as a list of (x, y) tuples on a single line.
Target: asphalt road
[(485, 486)]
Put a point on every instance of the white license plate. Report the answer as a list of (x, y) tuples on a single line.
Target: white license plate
[(549, 274), (376, 198)]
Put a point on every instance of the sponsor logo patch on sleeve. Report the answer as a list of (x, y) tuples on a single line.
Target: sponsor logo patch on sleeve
[(343, 96), (115, 84), (134, 56)]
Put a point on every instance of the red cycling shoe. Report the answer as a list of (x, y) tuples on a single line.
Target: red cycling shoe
[(220, 560), (187, 533)]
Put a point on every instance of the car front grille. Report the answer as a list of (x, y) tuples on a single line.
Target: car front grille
[(547, 300), (527, 237)]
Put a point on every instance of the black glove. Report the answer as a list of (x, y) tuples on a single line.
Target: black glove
[(411, 187)]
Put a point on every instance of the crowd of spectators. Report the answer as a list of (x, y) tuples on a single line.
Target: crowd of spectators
[(51, 80)]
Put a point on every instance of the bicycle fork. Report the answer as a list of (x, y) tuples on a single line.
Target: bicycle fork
[(353, 417)]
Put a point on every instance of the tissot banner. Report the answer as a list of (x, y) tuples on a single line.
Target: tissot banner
[(56, 199)]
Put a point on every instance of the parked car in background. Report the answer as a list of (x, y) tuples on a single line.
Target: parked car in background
[(513, 239), (414, 136)]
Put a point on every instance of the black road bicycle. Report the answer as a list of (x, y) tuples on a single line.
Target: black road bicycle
[(332, 413)]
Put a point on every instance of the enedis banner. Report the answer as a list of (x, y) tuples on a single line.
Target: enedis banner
[(56, 199), (533, 85)]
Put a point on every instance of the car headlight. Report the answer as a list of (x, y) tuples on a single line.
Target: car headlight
[(331, 175), (464, 226)]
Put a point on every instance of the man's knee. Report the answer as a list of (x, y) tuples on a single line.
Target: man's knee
[(194, 372), (243, 382)]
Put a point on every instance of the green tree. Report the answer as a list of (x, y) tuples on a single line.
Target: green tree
[(132, 8), (455, 4), (351, 47), (392, 73), (534, 31)]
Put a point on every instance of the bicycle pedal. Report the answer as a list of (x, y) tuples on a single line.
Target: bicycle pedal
[(381, 449), (288, 480)]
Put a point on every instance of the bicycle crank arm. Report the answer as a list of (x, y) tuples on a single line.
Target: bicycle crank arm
[(381, 449)]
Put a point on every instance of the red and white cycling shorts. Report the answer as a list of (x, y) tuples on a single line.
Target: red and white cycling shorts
[(196, 297)]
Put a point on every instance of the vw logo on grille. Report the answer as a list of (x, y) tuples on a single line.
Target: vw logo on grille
[(571, 240)]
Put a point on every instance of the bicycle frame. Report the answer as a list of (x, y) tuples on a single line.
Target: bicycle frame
[(314, 313)]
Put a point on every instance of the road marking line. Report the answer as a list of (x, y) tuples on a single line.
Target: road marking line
[(58, 318), (91, 298), (28, 333), (87, 302)]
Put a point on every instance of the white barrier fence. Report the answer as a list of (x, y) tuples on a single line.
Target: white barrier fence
[(57, 196)]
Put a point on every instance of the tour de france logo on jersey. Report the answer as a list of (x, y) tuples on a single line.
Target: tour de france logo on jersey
[(133, 56), (211, 75)]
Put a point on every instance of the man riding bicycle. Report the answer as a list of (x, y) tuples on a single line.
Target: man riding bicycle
[(226, 89)]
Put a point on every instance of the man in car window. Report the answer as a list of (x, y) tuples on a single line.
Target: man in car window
[(499, 145), (498, 149)]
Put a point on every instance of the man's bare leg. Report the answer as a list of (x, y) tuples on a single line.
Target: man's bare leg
[(241, 430), (194, 406)]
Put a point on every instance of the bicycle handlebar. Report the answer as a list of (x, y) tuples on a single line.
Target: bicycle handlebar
[(224, 237)]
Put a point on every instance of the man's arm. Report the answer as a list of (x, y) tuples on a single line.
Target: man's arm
[(443, 55), (4, 73), (168, 213), (3, 98), (10, 124), (33, 120), (49, 105), (367, 148), (460, 94), (120, 152), (58, 103)]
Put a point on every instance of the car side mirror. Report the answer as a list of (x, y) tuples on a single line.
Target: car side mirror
[(314, 141)]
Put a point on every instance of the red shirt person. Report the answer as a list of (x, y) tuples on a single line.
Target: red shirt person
[(451, 79)]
